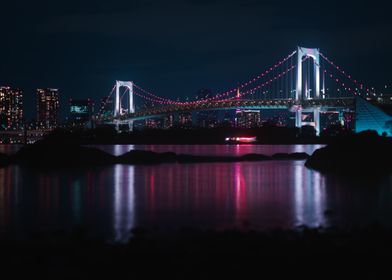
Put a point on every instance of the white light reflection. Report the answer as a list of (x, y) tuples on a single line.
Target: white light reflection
[(310, 197), (124, 202), (122, 149), (320, 198), (298, 185)]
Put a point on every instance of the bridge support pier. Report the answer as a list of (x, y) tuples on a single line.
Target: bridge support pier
[(316, 119), (316, 114), (298, 118), (130, 126), (117, 125)]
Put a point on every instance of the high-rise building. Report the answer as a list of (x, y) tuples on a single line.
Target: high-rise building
[(11, 108), (153, 123), (228, 119), (185, 119), (247, 118), (168, 122), (81, 111), (48, 107), (278, 117), (207, 119)]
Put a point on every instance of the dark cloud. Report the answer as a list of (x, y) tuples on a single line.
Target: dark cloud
[(176, 47)]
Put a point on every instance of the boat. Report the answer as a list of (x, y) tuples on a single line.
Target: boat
[(247, 139)]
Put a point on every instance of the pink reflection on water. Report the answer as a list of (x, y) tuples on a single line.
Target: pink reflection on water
[(5, 196), (221, 195), (240, 194)]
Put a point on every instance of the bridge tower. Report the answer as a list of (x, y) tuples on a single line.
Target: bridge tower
[(117, 101), (314, 54)]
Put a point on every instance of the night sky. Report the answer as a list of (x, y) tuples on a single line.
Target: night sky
[(175, 48)]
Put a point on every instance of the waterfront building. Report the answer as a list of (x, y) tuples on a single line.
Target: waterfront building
[(247, 118), (168, 122), (48, 105), (228, 119), (11, 108), (207, 119), (185, 120), (153, 123), (80, 111)]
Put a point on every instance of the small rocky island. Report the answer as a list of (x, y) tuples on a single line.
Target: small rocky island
[(364, 154), (46, 154)]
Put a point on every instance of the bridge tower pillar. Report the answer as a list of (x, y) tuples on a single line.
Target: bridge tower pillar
[(117, 100), (130, 126), (299, 122), (298, 118), (315, 55), (316, 115)]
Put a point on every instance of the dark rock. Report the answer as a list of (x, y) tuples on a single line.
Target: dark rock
[(146, 157), (363, 154), (49, 155)]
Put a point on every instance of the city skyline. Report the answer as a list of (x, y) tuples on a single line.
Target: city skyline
[(195, 139), (81, 49)]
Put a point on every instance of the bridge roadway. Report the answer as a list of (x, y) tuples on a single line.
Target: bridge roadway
[(290, 104)]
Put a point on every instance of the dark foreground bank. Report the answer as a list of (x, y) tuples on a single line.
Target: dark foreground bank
[(191, 254)]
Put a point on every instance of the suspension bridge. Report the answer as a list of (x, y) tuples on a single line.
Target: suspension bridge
[(306, 82)]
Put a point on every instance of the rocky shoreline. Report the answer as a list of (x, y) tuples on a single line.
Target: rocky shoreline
[(45, 154), (362, 154)]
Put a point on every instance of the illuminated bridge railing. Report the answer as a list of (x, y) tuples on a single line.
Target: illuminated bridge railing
[(218, 105), (241, 104), (344, 102)]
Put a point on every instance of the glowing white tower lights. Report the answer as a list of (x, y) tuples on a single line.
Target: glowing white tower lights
[(117, 101), (315, 55)]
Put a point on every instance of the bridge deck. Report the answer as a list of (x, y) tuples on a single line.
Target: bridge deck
[(241, 104)]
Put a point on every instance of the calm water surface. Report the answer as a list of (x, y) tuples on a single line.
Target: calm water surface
[(108, 202)]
